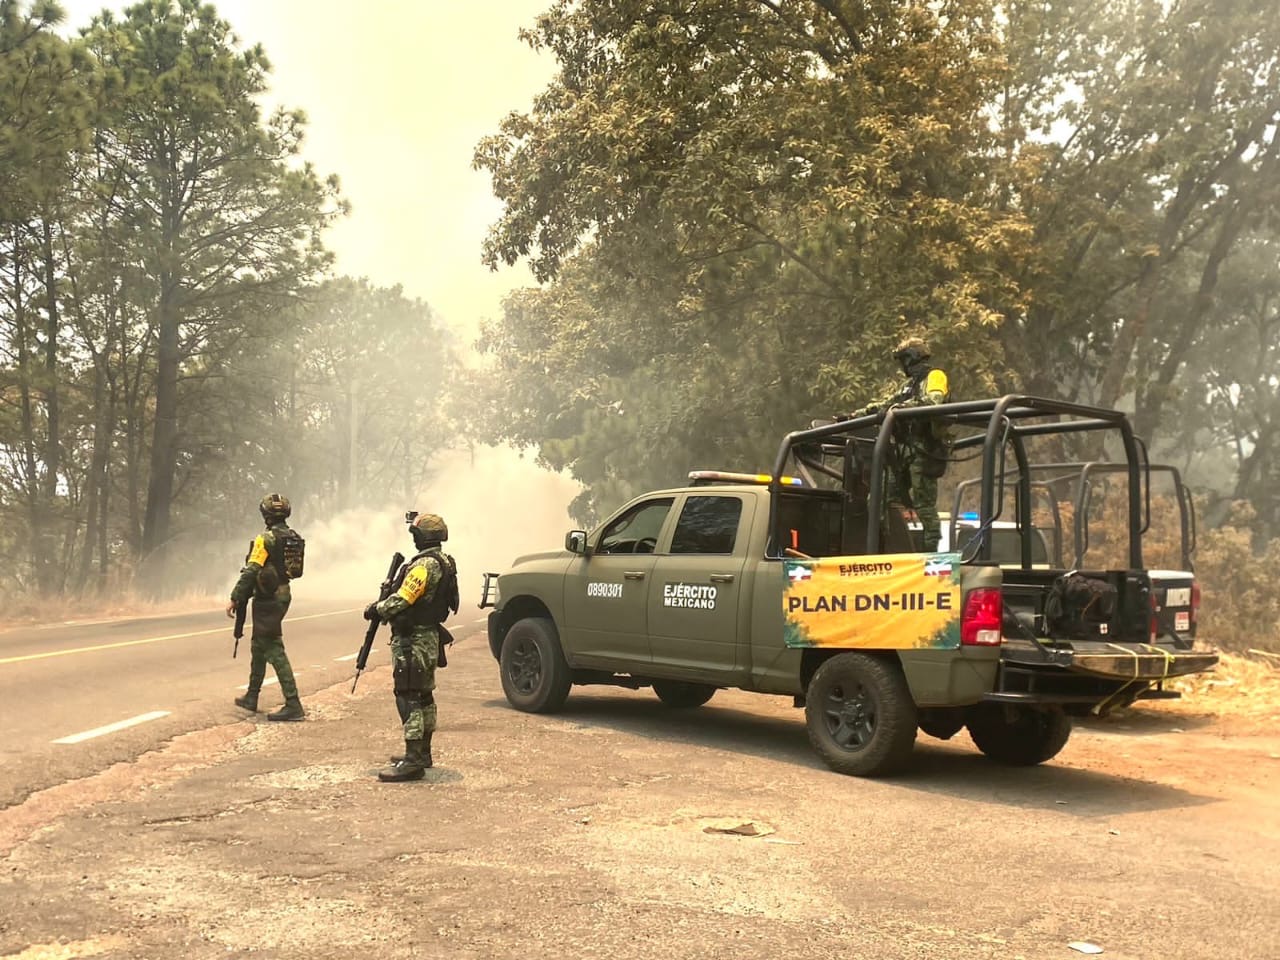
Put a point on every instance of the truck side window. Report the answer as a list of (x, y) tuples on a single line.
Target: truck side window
[(816, 524), (707, 525), (636, 531)]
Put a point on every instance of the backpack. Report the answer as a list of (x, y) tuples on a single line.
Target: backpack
[(293, 550), (1079, 607)]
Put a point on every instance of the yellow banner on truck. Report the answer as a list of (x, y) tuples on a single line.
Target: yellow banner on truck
[(904, 601)]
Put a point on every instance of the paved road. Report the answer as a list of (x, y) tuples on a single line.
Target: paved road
[(596, 833), (111, 690)]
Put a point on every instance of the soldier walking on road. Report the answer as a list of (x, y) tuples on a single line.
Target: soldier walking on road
[(275, 558), (922, 448), (416, 611)]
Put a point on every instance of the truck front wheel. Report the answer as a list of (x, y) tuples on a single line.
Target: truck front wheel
[(860, 715), (535, 676), (1017, 734)]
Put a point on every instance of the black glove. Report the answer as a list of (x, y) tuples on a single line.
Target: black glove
[(842, 417), (371, 612)]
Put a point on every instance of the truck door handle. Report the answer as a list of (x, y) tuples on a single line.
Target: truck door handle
[(633, 575), (722, 578)]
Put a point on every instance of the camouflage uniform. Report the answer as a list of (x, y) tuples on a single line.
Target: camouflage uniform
[(416, 611), (920, 451), (264, 582)]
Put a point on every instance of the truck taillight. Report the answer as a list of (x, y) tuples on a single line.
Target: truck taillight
[(980, 621), (1195, 600)]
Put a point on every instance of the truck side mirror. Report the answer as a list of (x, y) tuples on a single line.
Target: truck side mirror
[(575, 541)]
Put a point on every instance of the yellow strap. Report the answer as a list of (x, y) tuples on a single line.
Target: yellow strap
[(1137, 663), (1168, 659)]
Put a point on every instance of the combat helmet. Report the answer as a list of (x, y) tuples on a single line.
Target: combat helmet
[(911, 350), (427, 528), (274, 508)]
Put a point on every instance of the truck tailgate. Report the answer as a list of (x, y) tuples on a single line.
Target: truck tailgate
[(1110, 660)]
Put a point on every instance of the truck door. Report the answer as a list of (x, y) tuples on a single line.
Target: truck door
[(606, 592), (697, 594)]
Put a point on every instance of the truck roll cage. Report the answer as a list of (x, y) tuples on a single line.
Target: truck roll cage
[(1003, 423), (1080, 476)]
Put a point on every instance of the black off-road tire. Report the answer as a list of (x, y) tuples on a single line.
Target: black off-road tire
[(1018, 735), (683, 696), (860, 715), (535, 676)]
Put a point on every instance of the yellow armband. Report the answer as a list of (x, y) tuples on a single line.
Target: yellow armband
[(414, 586), (258, 552)]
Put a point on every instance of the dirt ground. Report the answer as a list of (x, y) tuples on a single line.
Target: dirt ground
[(622, 828)]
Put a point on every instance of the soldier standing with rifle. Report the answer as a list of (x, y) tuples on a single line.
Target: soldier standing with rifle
[(922, 451), (275, 557), (422, 597)]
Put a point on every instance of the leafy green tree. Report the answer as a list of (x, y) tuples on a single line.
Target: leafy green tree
[(220, 218), (739, 205), (1142, 138), (43, 127)]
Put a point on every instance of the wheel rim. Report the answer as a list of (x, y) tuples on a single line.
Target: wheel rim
[(849, 713), (524, 666)]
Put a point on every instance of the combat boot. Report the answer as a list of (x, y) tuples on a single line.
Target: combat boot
[(248, 702), (426, 754), (292, 710), (411, 767)]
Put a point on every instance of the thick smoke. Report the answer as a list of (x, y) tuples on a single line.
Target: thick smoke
[(497, 504)]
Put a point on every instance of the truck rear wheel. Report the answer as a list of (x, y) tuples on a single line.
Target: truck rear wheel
[(1018, 735), (683, 696), (860, 715), (535, 676)]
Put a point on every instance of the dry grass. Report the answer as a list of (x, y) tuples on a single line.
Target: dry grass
[(1243, 694), (26, 611)]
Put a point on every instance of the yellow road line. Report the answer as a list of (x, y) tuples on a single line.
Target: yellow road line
[(134, 643)]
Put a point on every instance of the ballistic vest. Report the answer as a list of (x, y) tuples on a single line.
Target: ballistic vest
[(435, 609)]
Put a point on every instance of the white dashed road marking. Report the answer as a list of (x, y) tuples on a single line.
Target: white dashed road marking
[(349, 656), (113, 727)]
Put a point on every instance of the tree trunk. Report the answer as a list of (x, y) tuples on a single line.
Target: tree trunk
[(133, 479), (1149, 404), (95, 495), (36, 535), (104, 539), (1259, 483), (164, 437), (55, 580)]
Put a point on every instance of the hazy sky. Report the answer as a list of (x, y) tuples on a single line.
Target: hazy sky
[(397, 93)]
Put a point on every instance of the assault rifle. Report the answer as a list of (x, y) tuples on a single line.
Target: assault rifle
[(238, 631), (389, 586)]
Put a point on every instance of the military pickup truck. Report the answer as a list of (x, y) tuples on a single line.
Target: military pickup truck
[(806, 582)]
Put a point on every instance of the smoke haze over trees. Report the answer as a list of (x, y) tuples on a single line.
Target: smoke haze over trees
[(738, 205), (171, 348), (731, 208)]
